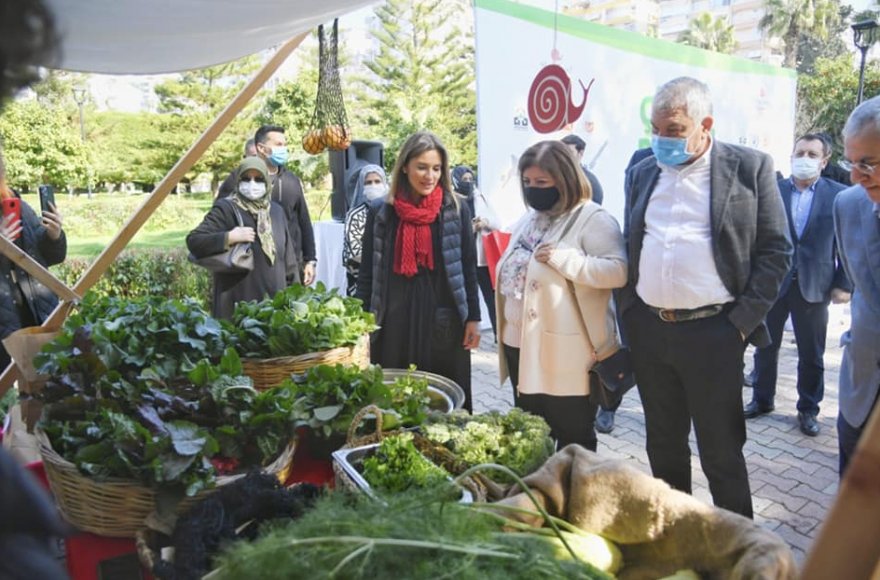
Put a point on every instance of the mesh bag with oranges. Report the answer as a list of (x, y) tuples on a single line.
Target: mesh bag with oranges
[(329, 127)]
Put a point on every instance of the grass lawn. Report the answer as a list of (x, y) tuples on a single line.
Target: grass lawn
[(91, 224)]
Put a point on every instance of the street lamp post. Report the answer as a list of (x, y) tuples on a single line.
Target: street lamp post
[(864, 35), (79, 95)]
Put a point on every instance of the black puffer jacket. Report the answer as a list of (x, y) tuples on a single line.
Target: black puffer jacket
[(40, 300), (459, 257)]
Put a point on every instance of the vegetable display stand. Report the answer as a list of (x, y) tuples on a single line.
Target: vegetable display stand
[(115, 507), (271, 372)]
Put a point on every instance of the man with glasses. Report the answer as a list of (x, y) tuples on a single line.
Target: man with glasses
[(857, 227), (816, 278)]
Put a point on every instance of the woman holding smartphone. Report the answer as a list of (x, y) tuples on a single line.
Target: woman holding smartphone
[(24, 301)]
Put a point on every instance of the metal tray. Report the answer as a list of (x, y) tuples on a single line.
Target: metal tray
[(347, 459), (445, 393)]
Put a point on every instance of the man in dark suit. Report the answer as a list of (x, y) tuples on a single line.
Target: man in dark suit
[(708, 247), (578, 146), (816, 278)]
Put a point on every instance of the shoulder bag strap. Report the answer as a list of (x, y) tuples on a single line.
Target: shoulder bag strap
[(235, 209), (570, 284)]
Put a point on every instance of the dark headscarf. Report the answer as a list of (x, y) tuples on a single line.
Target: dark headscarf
[(458, 172)]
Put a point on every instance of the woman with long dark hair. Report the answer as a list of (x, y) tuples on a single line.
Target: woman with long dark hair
[(418, 268)]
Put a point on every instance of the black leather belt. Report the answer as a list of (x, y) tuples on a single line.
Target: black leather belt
[(683, 315)]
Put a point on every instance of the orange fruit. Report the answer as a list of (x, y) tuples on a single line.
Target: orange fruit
[(312, 142)]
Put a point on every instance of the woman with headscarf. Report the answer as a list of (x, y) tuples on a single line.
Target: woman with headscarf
[(418, 269), (263, 224), (370, 185), (485, 220)]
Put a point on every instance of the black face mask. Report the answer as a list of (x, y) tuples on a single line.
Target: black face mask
[(466, 188), (541, 198)]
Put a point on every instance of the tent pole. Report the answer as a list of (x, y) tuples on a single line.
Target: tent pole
[(155, 199)]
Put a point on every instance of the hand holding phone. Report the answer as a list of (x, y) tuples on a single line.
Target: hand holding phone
[(47, 198), (11, 225)]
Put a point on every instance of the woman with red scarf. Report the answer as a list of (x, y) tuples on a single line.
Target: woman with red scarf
[(418, 271)]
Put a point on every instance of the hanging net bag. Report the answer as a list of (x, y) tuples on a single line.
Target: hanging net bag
[(329, 127)]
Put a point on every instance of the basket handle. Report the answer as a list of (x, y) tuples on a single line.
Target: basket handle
[(358, 419)]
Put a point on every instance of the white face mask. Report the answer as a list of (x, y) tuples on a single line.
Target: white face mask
[(252, 190), (374, 191), (805, 167)]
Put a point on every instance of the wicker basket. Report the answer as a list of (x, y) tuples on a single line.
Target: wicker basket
[(437, 454), (116, 507), (271, 372)]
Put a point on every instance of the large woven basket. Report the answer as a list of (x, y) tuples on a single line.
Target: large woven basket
[(116, 507), (271, 372)]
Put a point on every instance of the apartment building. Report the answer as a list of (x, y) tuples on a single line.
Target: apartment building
[(642, 16)]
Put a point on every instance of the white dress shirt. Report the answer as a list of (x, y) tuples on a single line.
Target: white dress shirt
[(676, 268)]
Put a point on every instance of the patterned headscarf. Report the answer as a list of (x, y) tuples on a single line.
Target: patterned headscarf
[(259, 208)]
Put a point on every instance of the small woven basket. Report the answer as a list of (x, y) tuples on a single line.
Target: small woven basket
[(271, 372), (116, 507), (434, 452)]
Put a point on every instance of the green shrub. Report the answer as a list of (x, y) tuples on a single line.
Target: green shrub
[(163, 273)]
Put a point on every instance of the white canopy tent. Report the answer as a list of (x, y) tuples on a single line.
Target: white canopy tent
[(163, 36)]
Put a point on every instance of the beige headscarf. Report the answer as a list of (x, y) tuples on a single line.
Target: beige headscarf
[(259, 208)]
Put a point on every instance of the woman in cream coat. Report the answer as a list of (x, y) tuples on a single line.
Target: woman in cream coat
[(543, 344)]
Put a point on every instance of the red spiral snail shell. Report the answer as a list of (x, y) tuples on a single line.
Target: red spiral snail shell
[(550, 106)]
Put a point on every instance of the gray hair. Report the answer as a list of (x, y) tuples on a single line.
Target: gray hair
[(684, 93), (864, 118)]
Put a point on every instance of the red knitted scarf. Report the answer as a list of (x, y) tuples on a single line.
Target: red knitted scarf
[(414, 247)]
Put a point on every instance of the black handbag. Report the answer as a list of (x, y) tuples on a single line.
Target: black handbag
[(238, 259), (615, 372)]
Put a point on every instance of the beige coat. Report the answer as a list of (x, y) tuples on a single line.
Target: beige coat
[(555, 353)]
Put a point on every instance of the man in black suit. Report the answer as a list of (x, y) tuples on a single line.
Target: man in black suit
[(816, 278), (578, 146), (708, 247)]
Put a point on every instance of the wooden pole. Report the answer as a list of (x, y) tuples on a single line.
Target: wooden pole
[(155, 199), (32, 267), (848, 545)]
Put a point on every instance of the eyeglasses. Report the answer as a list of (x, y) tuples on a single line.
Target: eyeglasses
[(861, 167)]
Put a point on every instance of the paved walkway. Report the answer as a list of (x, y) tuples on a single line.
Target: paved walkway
[(793, 477)]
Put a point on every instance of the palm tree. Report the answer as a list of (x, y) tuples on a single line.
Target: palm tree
[(789, 19), (710, 33)]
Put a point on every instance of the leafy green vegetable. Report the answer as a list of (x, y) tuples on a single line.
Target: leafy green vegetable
[(326, 398), (409, 536), (398, 466), (298, 320), (517, 439)]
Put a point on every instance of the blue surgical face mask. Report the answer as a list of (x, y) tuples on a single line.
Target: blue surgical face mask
[(672, 150), (279, 156)]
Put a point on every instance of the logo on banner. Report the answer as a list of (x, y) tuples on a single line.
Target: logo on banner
[(550, 100)]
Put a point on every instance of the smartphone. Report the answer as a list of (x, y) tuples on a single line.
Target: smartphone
[(12, 206), (47, 197)]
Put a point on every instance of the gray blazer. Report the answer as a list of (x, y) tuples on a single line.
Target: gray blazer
[(750, 239), (858, 240), (815, 253)]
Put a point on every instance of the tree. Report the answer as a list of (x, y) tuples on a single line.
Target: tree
[(812, 48), (421, 77), (826, 98), (42, 145), (709, 33), (188, 103), (789, 19), (123, 141)]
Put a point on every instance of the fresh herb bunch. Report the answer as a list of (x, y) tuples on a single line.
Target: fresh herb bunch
[(408, 536), (396, 466), (517, 439), (328, 397), (298, 320), (153, 337), (169, 434)]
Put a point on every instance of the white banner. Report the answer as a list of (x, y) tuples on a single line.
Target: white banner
[(597, 82)]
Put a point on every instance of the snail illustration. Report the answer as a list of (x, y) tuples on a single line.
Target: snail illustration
[(550, 106)]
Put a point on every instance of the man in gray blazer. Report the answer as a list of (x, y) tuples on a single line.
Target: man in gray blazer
[(857, 226), (708, 247), (816, 278)]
